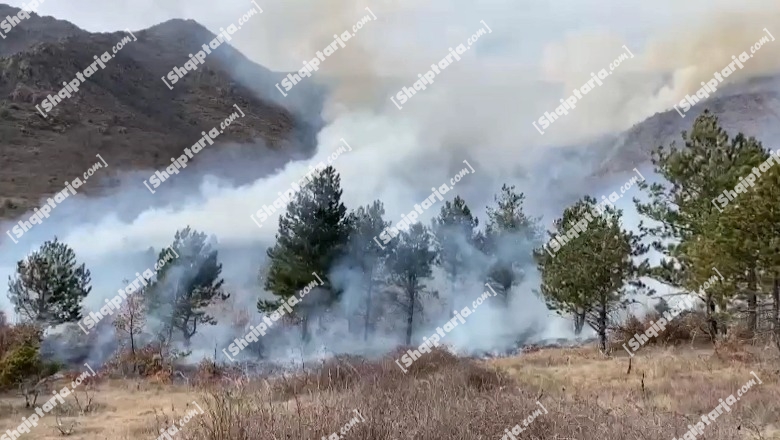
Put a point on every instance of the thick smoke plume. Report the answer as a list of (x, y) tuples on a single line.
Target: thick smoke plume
[(480, 109)]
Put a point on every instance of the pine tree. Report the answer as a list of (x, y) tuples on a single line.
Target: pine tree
[(456, 238), (685, 213), (49, 285), (510, 237), (591, 274), (410, 264), (185, 287), (312, 236), (747, 235), (367, 222)]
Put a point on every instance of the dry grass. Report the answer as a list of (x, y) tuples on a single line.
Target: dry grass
[(587, 396), (662, 383)]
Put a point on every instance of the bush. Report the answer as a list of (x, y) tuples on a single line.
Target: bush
[(19, 364), (684, 328), (20, 358), (449, 399)]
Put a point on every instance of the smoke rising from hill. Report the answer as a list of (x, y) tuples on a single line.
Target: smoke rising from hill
[(479, 109)]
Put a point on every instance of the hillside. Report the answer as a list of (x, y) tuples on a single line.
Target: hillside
[(751, 107), (125, 112)]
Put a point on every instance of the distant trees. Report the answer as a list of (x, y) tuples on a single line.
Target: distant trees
[(713, 206), (510, 237), (366, 223), (409, 266), (456, 240), (49, 285)]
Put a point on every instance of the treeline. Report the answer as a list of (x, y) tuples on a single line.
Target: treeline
[(317, 234), (715, 210), (591, 276)]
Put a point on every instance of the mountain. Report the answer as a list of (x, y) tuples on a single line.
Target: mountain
[(750, 107), (125, 112)]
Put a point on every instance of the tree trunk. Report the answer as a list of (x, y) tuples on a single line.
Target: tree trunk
[(410, 318), (603, 327), (723, 325), (305, 336), (709, 311), (579, 322), (752, 303), (132, 347), (368, 304), (776, 308)]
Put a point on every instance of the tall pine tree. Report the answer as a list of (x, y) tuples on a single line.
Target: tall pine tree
[(312, 236), (368, 222), (456, 238), (686, 223)]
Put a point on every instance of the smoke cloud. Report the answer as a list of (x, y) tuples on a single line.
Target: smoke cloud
[(479, 109)]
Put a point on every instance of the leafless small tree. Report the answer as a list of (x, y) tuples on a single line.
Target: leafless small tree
[(131, 320)]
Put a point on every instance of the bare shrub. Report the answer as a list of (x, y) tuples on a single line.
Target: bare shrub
[(685, 328), (444, 398)]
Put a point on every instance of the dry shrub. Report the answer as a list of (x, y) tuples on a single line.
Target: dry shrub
[(17, 335), (685, 328), (338, 373), (209, 373), (20, 360), (733, 348), (148, 361), (454, 399), (429, 363)]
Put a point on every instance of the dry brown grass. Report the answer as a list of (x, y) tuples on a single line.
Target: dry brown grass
[(587, 396), (662, 384)]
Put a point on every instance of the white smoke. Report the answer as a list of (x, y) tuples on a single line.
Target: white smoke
[(480, 109)]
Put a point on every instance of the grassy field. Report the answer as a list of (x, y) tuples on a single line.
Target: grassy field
[(654, 395)]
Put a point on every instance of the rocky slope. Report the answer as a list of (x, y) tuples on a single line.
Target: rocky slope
[(125, 112)]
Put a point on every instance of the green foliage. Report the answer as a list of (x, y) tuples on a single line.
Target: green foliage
[(455, 232), (410, 264), (312, 236), (366, 223), (20, 363), (686, 222), (510, 237), (49, 285), (186, 286), (19, 355), (591, 274)]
